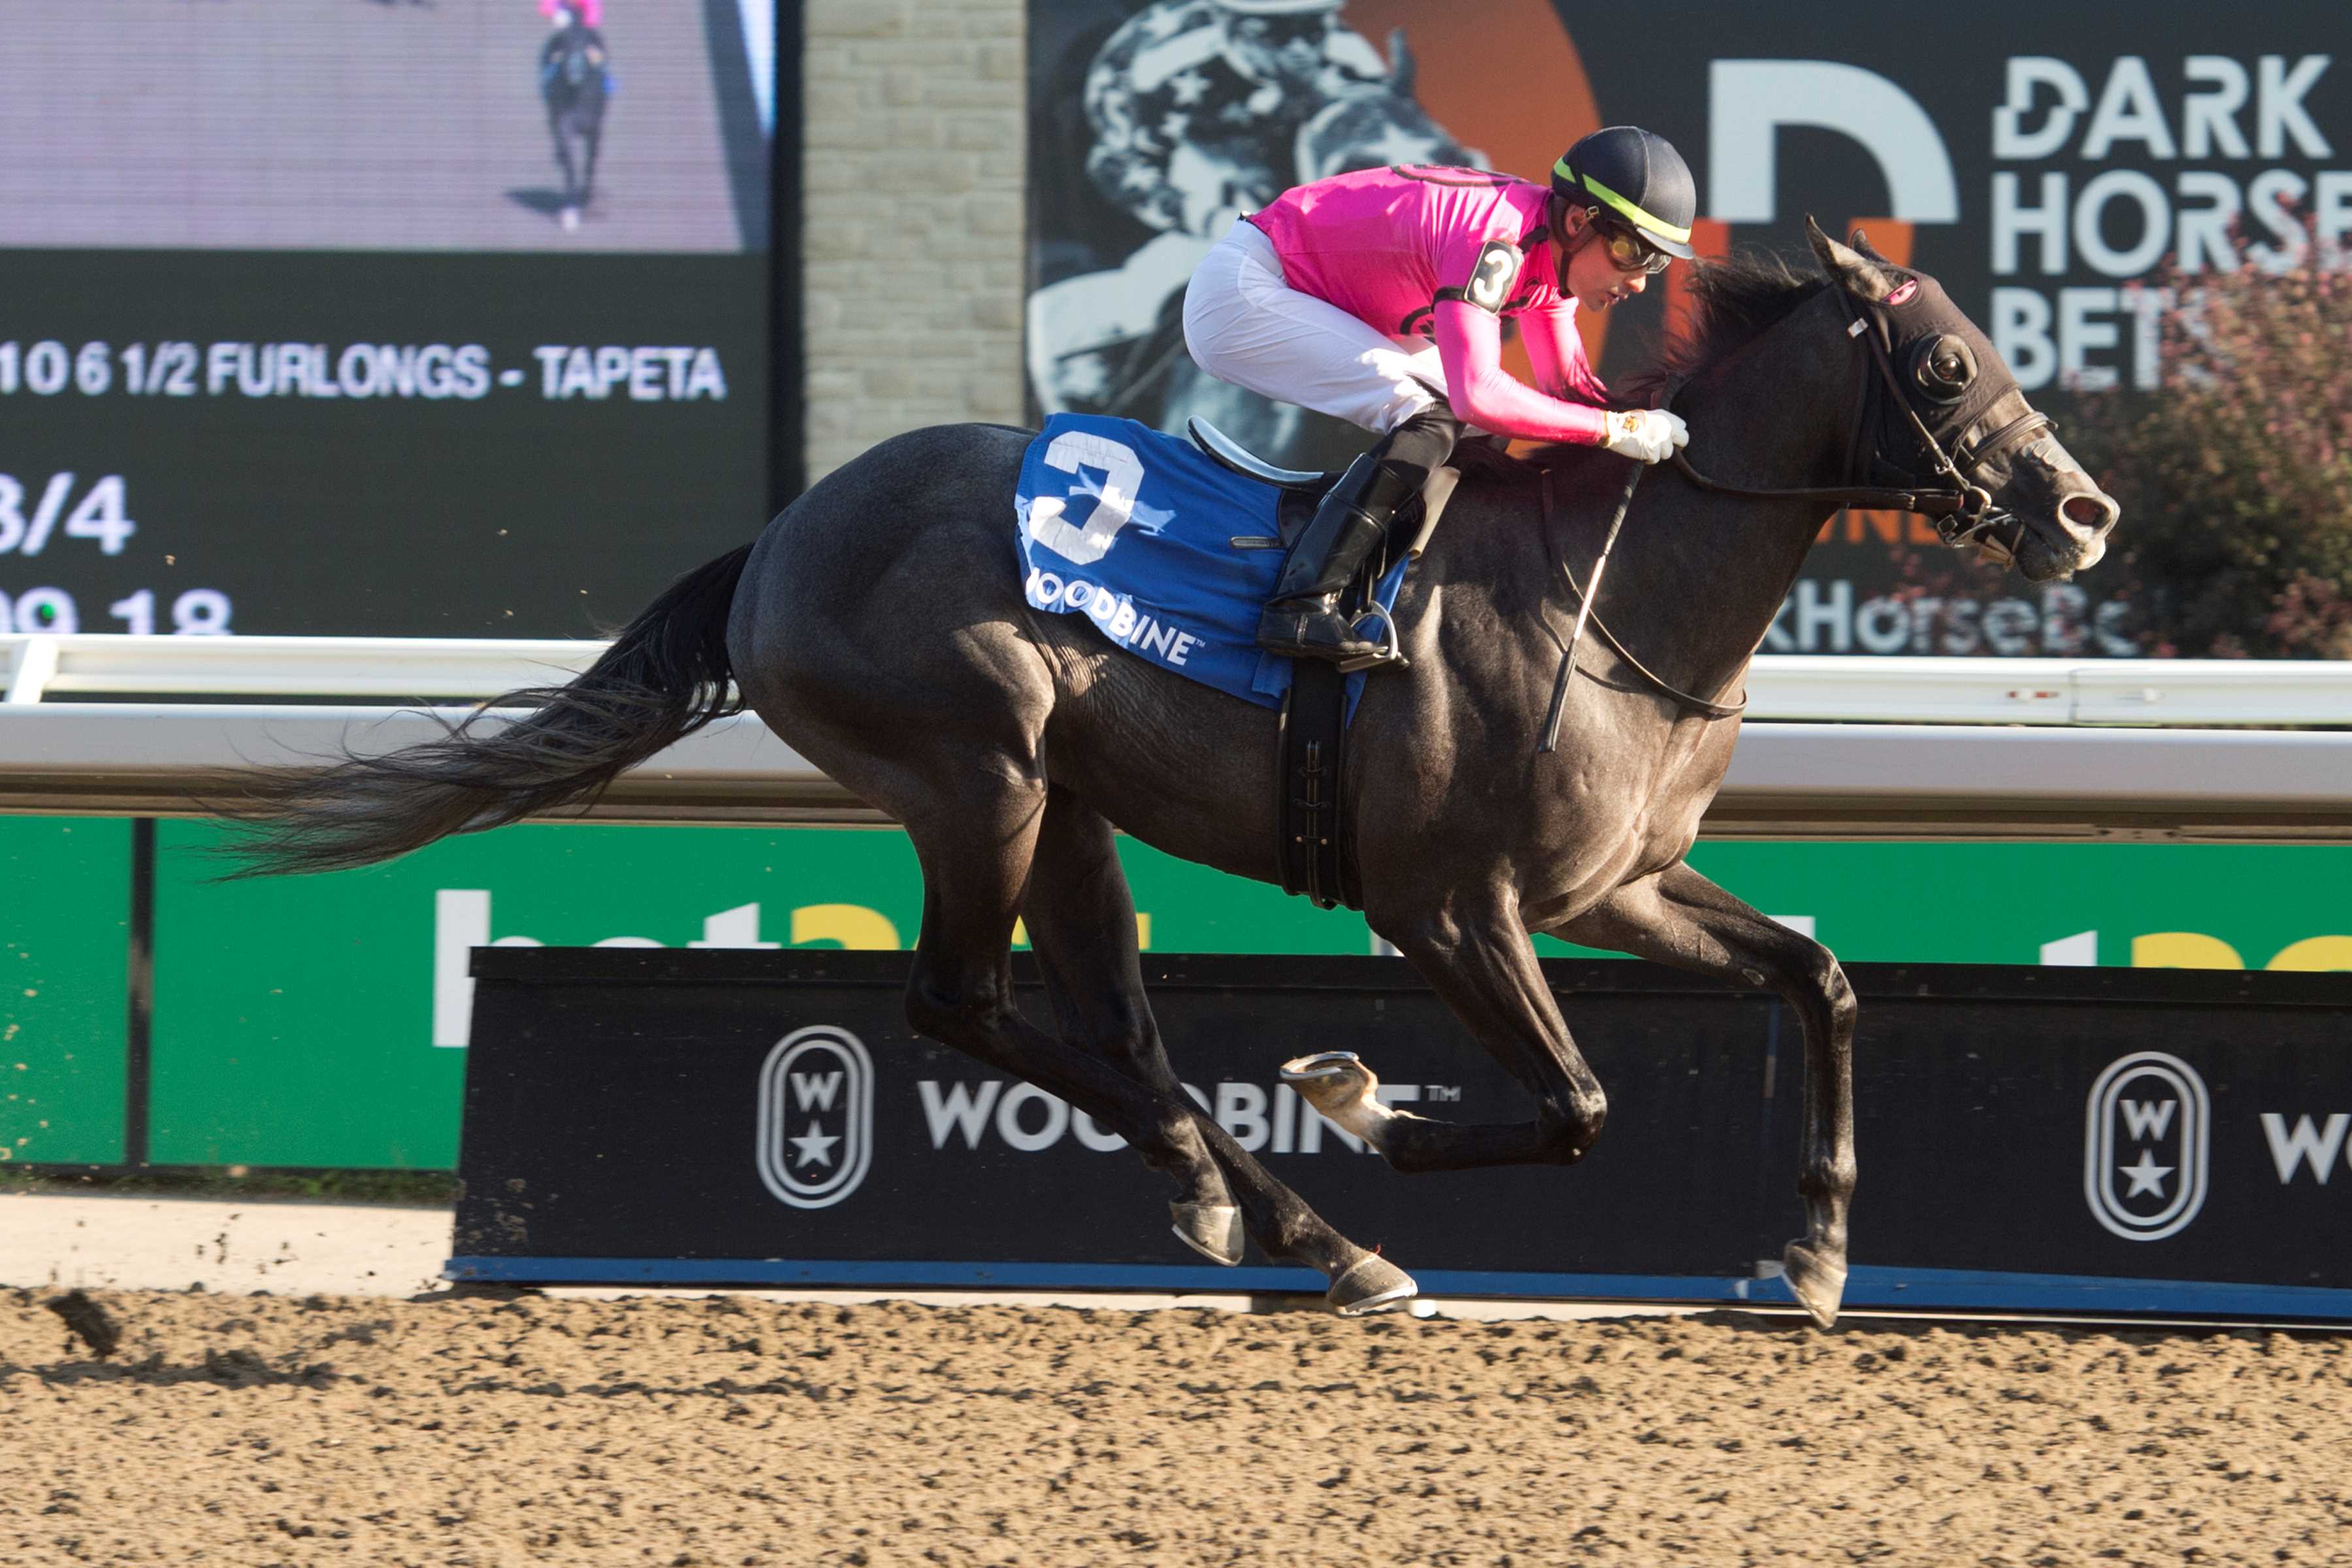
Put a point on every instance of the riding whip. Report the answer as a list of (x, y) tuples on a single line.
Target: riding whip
[(1584, 609)]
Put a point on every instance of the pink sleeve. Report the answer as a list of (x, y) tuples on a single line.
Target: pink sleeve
[(1470, 348), (1556, 352)]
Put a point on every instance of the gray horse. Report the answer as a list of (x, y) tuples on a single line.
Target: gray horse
[(878, 626)]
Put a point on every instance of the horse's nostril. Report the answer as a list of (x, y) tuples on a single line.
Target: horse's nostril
[(2094, 511)]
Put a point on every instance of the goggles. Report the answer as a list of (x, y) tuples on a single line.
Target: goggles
[(1627, 252)]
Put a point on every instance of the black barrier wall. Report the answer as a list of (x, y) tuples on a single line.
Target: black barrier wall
[(2037, 1138)]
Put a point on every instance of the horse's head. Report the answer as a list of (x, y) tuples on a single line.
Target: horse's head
[(1941, 412)]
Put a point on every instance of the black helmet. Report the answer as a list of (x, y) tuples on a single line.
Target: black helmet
[(1636, 178)]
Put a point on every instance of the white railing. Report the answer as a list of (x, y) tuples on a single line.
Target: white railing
[(39, 666), (1782, 687), (1983, 749), (2270, 693)]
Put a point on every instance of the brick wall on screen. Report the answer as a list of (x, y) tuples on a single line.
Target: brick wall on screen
[(913, 232)]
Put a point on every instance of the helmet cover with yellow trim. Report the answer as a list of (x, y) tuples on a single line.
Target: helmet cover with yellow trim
[(1637, 178)]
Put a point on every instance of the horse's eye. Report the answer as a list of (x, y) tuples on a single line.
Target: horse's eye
[(1943, 367)]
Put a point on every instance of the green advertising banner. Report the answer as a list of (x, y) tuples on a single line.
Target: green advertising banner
[(322, 1021), (65, 936), (2150, 906)]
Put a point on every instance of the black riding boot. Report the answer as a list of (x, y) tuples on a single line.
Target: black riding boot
[(1302, 619)]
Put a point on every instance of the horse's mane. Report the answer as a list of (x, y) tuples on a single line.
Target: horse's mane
[(1733, 301)]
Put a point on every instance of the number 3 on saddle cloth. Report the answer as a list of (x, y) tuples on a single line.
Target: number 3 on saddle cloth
[(1170, 554)]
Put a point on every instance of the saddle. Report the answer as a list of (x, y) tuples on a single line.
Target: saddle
[(1316, 852)]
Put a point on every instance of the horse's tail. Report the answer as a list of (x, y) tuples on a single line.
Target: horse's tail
[(665, 676)]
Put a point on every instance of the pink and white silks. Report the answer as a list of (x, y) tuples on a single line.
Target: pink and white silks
[(1328, 297), (590, 11)]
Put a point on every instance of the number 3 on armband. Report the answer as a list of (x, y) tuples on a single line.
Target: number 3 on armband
[(1124, 474)]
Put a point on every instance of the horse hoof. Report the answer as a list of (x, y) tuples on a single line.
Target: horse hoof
[(1343, 1089), (571, 218), (1213, 1230), (1373, 1285), (1818, 1281)]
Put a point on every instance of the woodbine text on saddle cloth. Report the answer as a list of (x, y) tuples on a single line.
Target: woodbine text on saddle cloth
[(1134, 529)]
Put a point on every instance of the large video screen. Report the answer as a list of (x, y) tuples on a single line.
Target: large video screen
[(2131, 198), (392, 317)]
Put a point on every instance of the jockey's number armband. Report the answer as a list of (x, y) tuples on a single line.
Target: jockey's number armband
[(1490, 281)]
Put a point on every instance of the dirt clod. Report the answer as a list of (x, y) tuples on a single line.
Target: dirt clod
[(89, 1323)]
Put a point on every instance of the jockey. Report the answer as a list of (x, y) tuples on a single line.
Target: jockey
[(1317, 299), (574, 40)]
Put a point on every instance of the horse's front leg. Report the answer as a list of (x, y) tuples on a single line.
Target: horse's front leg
[(1678, 917), (1475, 955)]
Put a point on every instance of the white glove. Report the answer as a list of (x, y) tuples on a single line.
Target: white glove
[(1646, 435)]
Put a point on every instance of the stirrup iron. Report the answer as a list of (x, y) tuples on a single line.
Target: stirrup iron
[(1390, 651)]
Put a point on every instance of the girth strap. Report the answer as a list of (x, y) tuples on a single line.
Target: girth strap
[(1309, 759)]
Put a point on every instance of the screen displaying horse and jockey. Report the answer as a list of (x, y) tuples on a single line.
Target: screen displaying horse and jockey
[(2134, 201), (348, 316)]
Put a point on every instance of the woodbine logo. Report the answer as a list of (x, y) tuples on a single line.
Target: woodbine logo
[(2148, 1138), (816, 1138), (1028, 1121), (2145, 1145)]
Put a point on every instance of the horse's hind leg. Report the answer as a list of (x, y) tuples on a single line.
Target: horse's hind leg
[(976, 848), (1678, 917), (558, 128), (1081, 922)]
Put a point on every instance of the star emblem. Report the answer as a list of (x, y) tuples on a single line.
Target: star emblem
[(816, 1146), (2147, 1176), (1158, 24), (1189, 89), (1394, 144)]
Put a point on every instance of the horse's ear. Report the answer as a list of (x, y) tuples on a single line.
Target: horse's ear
[(1402, 70), (1861, 242), (1855, 272)]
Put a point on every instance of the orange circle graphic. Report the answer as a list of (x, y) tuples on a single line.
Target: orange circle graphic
[(1512, 86)]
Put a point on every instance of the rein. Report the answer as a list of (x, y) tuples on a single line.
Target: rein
[(1586, 612)]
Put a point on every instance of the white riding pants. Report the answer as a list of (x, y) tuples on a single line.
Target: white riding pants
[(1247, 326)]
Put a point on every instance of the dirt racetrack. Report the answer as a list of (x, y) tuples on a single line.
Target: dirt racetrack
[(264, 1430)]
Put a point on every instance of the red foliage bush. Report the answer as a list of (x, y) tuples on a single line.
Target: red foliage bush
[(2236, 478)]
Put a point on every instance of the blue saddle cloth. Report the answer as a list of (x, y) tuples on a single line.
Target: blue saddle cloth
[(1134, 529)]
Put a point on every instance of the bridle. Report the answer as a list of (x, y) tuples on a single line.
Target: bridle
[(1944, 368)]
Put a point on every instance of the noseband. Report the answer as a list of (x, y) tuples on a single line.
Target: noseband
[(1962, 509)]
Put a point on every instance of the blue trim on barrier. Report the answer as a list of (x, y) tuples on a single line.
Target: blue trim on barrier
[(1875, 1287), (1984, 1290)]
